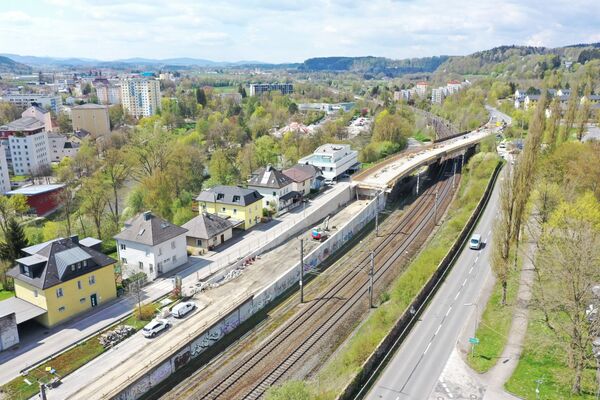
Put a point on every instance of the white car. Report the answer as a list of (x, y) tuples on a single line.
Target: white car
[(155, 327), (475, 242), (181, 309)]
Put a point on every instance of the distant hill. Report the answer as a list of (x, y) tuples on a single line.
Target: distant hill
[(8, 65), (518, 61), (373, 65)]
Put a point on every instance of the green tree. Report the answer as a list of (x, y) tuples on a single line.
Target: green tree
[(221, 169), (267, 150), (116, 170), (201, 97), (116, 116), (8, 112), (64, 123), (94, 196), (15, 240)]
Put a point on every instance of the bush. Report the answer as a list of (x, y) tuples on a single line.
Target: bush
[(291, 390), (145, 312)]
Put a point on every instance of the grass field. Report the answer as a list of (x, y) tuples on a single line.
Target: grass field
[(494, 325), (346, 362), (5, 294)]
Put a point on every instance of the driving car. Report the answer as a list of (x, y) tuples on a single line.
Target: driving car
[(181, 309), (154, 327), (475, 242)]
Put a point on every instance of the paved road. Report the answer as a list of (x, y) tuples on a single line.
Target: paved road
[(414, 370), (498, 114), (39, 344)]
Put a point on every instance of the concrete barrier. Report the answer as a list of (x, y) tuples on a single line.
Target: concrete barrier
[(183, 353)]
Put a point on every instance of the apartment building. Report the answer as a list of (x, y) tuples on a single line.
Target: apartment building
[(30, 154), (20, 100), (108, 94), (4, 177), (140, 97), (60, 147), (333, 160), (421, 88), (92, 118), (257, 89)]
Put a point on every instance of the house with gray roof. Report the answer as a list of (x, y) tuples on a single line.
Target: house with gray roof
[(206, 231), (242, 206), (305, 177), (276, 189), (151, 245)]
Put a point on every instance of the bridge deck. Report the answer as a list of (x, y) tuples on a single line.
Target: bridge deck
[(386, 174)]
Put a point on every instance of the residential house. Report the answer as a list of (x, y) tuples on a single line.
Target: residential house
[(421, 88), (42, 199), (60, 279), (151, 245), (243, 207), (305, 178), (4, 176), (60, 147), (333, 160), (276, 189), (207, 231)]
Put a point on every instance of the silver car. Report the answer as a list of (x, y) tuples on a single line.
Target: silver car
[(154, 327)]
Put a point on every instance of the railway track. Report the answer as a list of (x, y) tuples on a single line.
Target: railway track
[(251, 377)]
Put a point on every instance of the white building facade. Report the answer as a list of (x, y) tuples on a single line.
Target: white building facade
[(109, 94), (151, 245), (53, 103), (4, 178), (30, 155), (140, 97), (333, 160)]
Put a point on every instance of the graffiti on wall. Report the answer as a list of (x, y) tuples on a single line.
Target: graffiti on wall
[(137, 390), (182, 358), (161, 373)]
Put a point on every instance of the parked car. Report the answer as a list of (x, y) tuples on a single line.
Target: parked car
[(475, 242), (329, 182), (181, 309), (155, 327)]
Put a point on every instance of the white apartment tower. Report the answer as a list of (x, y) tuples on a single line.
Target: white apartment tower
[(4, 178), (30, 154), (140, 96)]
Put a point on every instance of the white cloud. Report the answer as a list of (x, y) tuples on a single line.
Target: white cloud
[(289, 30)]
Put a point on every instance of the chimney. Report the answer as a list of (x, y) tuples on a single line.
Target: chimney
[(74, 239), (147, 215), (269, 167)]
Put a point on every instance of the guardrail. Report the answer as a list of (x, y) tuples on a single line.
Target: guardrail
[(363, 379)]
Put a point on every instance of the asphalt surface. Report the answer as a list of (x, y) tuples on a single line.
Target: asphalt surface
[(414, 370)]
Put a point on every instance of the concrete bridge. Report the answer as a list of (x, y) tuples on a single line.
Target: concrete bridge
[(385, 175)]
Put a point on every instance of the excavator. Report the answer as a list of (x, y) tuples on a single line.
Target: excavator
[(321, 232)]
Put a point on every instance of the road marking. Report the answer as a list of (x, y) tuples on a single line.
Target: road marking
[(427, 349), (437, 330), (477, 258), (464, 282), (471, 270), (448, 312), (457, 294), (489, 232)]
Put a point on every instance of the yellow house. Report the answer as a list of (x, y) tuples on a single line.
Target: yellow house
[(243, 207), (65, 278)]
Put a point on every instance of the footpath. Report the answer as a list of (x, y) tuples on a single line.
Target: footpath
[(458, 380)]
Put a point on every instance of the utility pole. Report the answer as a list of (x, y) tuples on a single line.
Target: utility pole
[(376, 222), (301, 270), (371, 273), (435, 206), (42, 391)]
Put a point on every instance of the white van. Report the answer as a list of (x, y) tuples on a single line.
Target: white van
[(475, 242), (182, 309)]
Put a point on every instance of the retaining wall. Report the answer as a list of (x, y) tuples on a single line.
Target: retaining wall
[(249, 306), (368, 370)]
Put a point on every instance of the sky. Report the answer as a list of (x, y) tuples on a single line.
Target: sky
[(288, 30)]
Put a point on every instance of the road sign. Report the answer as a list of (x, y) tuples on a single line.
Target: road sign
[(474, 340)]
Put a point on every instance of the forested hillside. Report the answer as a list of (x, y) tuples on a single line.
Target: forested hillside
[(8, 65), (373, 65)]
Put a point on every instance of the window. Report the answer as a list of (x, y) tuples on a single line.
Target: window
[(151, 267), (61, 309), (35, 293), (59, 292), (223, 209), (123, 260), (82, 300), (79, 285), (92, 279), (84, 263), (123, 247), (141, 265), (274, 194), (220, 196), (236, 199), (234, 211), (174, 259), (159, 251), (26, 270), (198, 242), (173, 244)]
